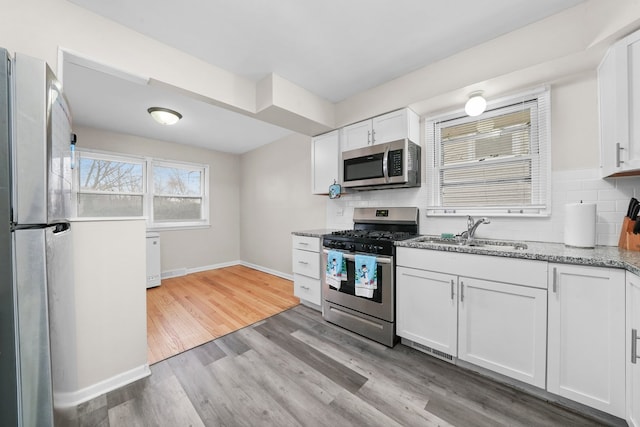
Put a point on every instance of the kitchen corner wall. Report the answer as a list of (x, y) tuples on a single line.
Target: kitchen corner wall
[(610, 195), (190, 249), (575, 177), (276, 200)]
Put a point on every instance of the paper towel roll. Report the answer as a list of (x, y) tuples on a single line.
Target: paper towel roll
[(580, 225)]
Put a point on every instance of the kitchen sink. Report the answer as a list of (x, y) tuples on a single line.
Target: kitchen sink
[(481, 243)]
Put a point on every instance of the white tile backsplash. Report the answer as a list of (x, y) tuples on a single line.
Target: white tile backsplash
[(611, 196)]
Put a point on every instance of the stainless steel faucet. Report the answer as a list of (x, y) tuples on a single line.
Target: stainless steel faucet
[(472, 226)]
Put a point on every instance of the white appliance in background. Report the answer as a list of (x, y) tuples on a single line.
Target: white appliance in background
[(153, 260), (36, 274)]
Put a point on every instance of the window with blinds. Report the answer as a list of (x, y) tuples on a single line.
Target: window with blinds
[(496, 163)]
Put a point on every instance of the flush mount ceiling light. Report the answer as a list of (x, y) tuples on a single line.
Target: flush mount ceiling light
[(475, 105), (164, 116)]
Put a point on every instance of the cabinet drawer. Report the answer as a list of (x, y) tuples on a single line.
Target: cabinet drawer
[(306, 243), (307, 263), (496, 268), (307, 289)]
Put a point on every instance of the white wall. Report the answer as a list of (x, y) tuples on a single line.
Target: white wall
[(199, 248), (110, 309), (276, 199), (575, 177)]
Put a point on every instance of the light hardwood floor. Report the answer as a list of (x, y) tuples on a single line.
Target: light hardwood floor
[(295, 369), (185, 312)]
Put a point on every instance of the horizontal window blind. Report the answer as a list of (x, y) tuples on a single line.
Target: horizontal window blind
[(494, 163)]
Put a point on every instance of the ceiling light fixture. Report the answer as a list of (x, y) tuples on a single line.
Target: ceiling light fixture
[(476, 104), (164, 116)]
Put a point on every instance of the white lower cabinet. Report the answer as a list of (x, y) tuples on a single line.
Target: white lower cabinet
[(496, 325), (586, 343), (307, 270), (633, 350), (503, 327), (427, 308)]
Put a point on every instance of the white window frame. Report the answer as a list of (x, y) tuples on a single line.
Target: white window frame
[(98, 155), (540, 164), (148, 189), (204, 186)]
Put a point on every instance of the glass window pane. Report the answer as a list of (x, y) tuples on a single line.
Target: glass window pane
[(176, 181), (177, 208), (107, 175), (109, 205)]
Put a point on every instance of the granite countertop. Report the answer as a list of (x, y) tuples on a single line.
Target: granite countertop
[(600, 256), (314, 233)]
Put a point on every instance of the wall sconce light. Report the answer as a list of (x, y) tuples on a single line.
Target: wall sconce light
[(476, 104), (164, 116)]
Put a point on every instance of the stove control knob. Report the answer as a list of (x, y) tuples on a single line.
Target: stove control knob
[(350, 247)]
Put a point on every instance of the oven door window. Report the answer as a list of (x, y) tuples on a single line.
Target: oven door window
[(366, 167), (349, 286)]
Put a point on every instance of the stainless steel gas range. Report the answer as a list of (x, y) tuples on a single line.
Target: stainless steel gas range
[(359, 300)]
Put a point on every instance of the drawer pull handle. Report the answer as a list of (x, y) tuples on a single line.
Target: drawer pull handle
[(303, 243), (306, 288), (461, 291), (303, 262), (634, 346), (452, 296)]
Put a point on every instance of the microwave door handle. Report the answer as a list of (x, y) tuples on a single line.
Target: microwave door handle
[(385, 164)]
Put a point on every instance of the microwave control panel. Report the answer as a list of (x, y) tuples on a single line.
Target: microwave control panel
[(395, 163)]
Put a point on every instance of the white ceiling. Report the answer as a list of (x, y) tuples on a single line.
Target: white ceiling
[(333, 48)]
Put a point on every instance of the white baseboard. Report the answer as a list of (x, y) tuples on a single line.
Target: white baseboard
[(184, 271), (267, 270), (212, 267), (173, 273), (74, 398)]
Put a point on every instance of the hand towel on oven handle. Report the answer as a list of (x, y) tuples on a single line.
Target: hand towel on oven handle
[(366, 280), (335, 269)]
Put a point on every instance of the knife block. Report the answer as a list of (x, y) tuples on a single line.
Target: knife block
[(628, 240)]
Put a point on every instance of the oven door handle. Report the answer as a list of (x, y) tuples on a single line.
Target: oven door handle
[(353, 257)]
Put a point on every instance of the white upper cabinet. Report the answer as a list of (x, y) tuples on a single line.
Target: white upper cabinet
[(586, 344), (633, 350), (325, 162), (619, 104), (357, 135), (388, 127)]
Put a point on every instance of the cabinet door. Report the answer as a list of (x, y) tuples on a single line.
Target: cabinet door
[(619, 99), (426, 308), (586, 355), (390, 127), (325, 162), (503, 328), (633, 350), (357, 135), (612, 137)]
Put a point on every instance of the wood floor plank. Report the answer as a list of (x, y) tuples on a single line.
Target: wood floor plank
[(188, 311), (304, 406), (258, 407), (213, 404), (294, 369), (340, 374)]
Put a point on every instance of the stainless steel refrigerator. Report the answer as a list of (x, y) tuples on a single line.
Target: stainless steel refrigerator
[(36, 272)]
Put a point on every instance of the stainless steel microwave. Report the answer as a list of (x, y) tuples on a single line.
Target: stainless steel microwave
[(389, 165)]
